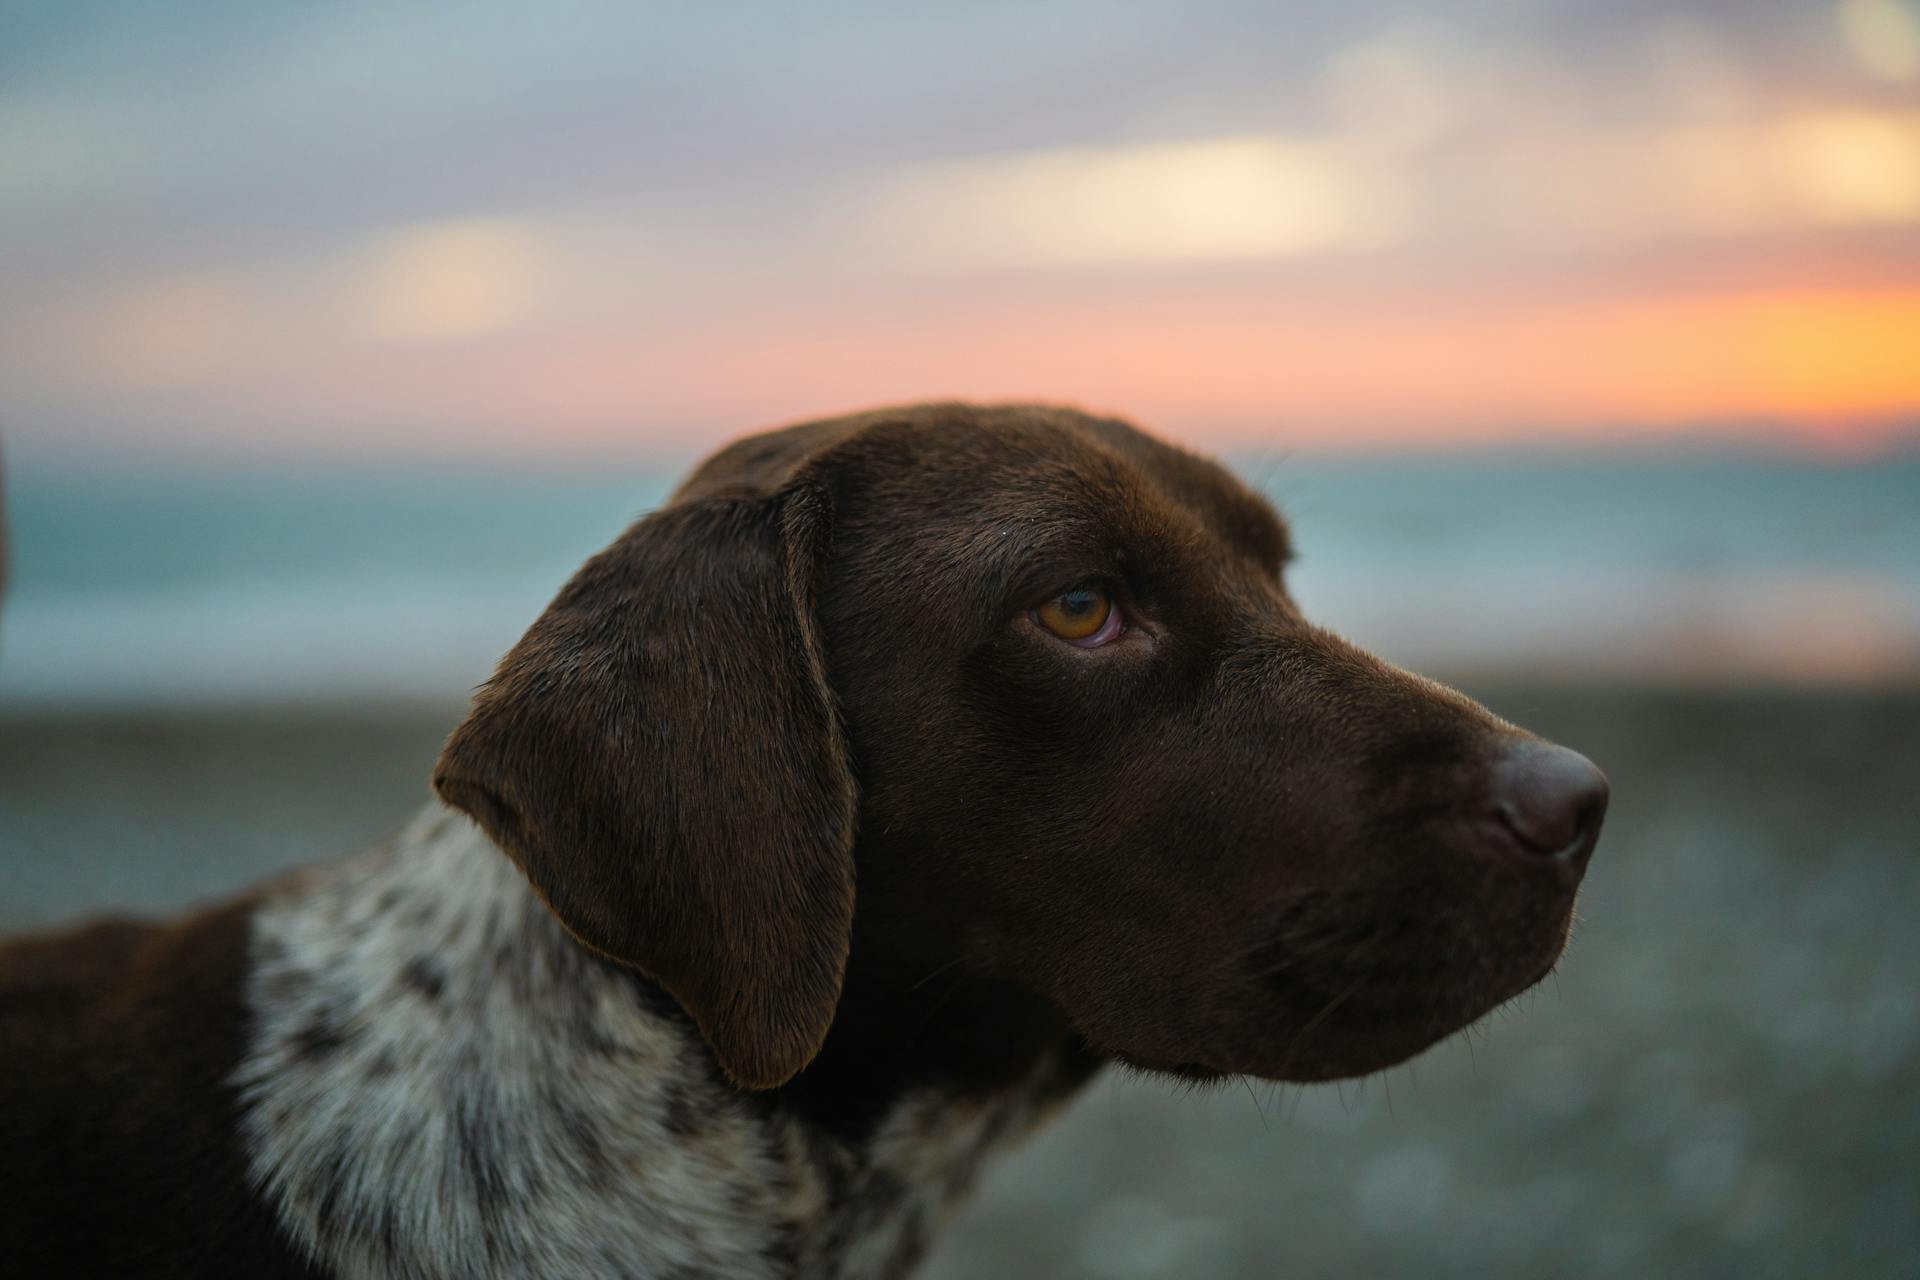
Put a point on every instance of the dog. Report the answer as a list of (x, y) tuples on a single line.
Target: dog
[(826, 833)]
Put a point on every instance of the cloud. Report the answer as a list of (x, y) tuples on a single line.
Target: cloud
[(1884, 38), (453, 280), (171, 334), (1274, 196), (1851, 168), (1210, 199)]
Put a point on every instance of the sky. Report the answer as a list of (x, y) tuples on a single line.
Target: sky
[(363, 230)]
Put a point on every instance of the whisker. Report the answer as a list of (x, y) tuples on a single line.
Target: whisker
[(1256, 1101), (937, 971)]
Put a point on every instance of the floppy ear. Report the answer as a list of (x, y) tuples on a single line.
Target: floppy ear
[(662, 757)]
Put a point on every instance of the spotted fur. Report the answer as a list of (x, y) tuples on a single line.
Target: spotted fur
[(443, 1083), (1228, 842)]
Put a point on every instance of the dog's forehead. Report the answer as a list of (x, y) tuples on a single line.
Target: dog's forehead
[(1033, 466), (1230, 509), (1058, 479)]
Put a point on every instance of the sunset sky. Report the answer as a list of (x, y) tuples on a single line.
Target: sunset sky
[(367, 229)]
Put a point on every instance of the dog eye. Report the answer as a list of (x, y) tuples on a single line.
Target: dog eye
[(1084, 616)]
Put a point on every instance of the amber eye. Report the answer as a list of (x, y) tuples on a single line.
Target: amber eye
[(1077, 615)]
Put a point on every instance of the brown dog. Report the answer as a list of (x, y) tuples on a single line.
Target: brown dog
[(864, 799)]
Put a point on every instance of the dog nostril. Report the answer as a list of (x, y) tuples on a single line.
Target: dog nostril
[(1550, 798)]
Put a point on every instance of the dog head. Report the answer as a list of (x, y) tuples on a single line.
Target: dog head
[(1034, 683)]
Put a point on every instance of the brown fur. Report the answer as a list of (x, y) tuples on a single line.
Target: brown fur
[(119, 1140), (796, 752), (1170, 847), (745, 864)]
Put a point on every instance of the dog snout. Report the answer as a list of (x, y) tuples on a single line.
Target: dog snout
[(1548, 803)]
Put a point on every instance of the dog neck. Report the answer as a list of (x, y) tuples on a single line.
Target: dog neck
[(910, 1026), (442, 1082)]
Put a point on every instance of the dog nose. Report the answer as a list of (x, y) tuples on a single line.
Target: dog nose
[(1550, 801)]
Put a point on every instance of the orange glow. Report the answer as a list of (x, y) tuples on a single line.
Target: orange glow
[(1838, 355), (1834, 364), (1835, 368)]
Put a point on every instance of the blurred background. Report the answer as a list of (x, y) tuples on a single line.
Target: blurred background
[(1579, 338)]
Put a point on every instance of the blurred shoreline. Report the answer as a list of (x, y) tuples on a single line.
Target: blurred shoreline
[(1722, 1079)]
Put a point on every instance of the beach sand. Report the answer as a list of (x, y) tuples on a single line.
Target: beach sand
[(1722, 1079)]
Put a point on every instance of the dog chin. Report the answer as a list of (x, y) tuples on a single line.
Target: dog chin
[(1378, 1044), (1369, 1039)]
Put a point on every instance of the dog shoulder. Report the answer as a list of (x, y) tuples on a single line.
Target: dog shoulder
[(120, 1126)]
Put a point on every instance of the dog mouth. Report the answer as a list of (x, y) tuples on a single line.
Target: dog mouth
[(1353, 996), (1373, 1025), (1362, 1022), (1368, 1021)]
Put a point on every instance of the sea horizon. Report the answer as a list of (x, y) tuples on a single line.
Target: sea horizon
[(169, 584)]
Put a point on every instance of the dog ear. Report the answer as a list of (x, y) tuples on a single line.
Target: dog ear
[(662, 757)]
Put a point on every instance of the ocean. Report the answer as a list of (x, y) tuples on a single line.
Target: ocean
[(164, 585)]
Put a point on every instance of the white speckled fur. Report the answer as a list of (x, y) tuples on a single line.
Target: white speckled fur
[(442, 1083)]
